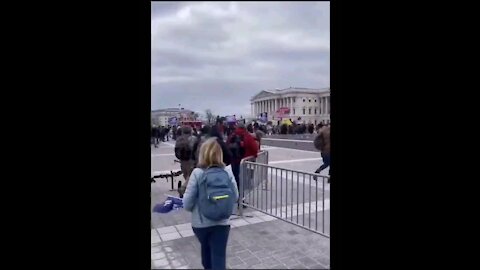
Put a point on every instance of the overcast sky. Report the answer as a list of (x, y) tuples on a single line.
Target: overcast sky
[(218, 55)]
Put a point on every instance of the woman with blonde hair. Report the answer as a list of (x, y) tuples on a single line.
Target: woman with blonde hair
[(211, 195)]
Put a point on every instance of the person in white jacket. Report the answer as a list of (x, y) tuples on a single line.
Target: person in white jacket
[(212, 235)]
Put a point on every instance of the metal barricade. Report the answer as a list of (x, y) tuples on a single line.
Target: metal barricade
[(252, 178), (297, 197)]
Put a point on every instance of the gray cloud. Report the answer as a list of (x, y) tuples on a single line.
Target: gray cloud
[(217, 55)]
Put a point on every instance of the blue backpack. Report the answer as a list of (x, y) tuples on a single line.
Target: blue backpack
[(216, 194)]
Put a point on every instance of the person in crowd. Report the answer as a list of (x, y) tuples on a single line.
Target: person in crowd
[(184, 152), (255, 126), (241, 144), (227, 154), (174, 132), (179, 132), (269, 129), (258, 138), (250, 128), (322, 143), (167, 132), (212, 234), (157, 134), (162, 134), (205, 134), (154, 136)]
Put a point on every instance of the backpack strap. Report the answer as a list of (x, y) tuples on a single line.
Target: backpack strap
[(198, 194)]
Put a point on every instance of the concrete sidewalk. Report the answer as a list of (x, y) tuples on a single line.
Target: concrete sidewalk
[(256, 240), (254, 243)]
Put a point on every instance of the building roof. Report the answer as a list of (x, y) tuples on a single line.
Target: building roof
[(170, 110), (291, 90)]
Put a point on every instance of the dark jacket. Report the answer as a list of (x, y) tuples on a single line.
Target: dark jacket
[(251, 147), (155, 132), (227, 155), (322, 141)]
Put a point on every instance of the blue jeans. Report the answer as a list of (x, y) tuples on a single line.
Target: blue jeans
[(326, 162), (213, 242)]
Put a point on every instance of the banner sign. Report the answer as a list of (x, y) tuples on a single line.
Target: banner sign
[(231, 119), (172, 121), (282, 112)]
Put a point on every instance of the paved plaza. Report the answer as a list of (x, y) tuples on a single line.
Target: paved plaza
[(256, 240)]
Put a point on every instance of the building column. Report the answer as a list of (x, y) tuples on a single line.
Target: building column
[(290, 106), (323, 105), (328, 105)]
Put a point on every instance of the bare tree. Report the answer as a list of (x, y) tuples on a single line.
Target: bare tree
[(209, 115)]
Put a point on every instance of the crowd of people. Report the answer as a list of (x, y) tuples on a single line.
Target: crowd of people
[(294, 128), (210, 190), (236, 143), (159, 134)]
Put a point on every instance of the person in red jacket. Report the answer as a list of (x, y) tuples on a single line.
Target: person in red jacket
[(242, 144)]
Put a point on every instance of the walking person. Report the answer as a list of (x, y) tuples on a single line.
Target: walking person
[(162, 133), (174, 133), (204, 136), (167, 132), (227, 154), (211, 214), (184, 152), (157, 134), (241, 144), (322, 143), (259, 134), (154, 136)]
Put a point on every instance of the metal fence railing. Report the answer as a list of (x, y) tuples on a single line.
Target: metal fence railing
[(297, 197), (253, 178)]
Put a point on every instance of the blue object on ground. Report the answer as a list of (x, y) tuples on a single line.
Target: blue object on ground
[(169, 204)]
